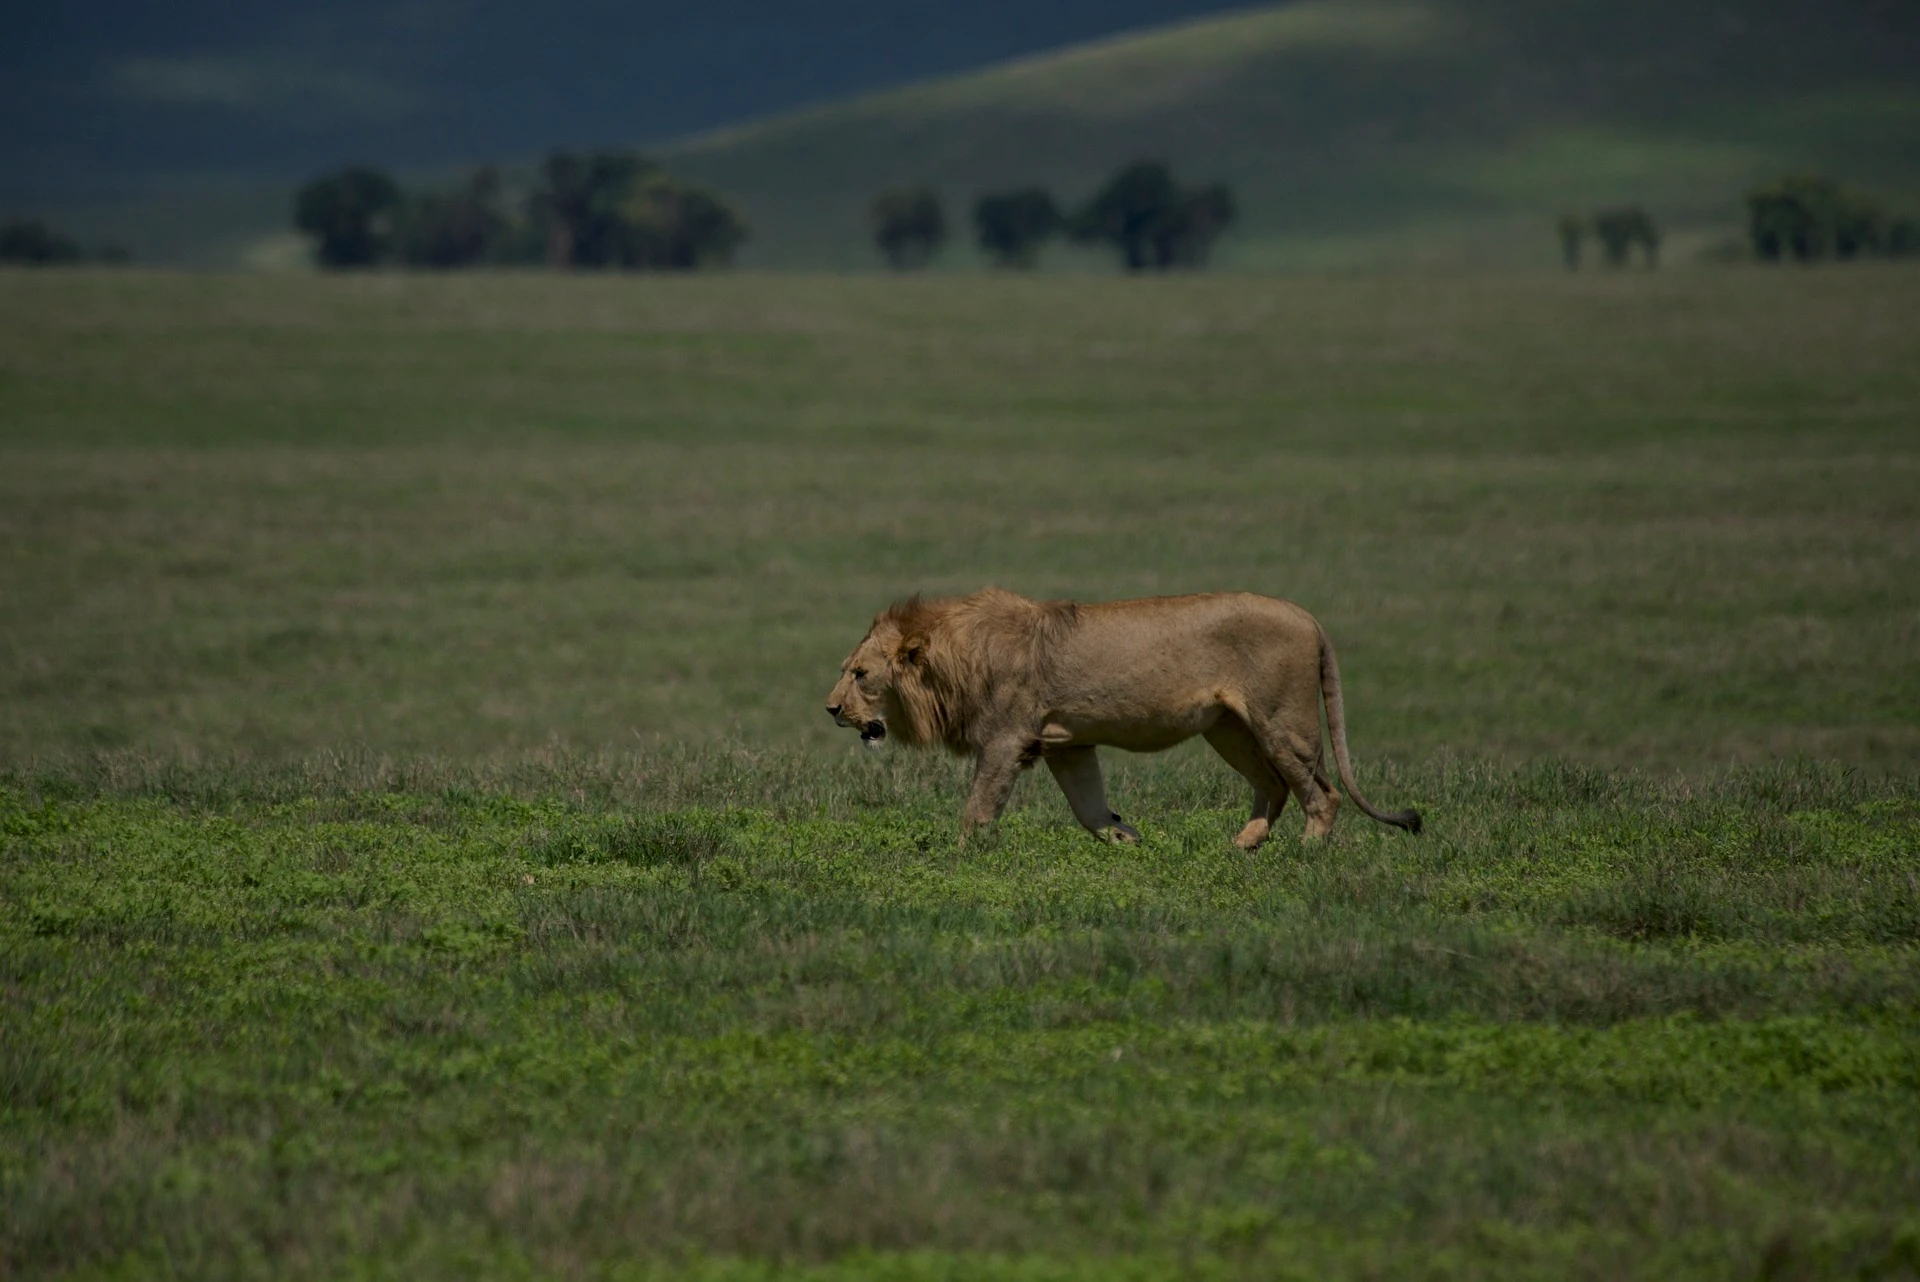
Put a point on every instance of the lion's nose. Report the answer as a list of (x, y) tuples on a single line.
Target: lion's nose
[(833, 710)]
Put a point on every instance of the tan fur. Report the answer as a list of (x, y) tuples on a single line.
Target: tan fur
[(1010, 681)]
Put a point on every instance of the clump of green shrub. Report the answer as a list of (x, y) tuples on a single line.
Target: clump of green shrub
[(1657, 904), (689, 840)]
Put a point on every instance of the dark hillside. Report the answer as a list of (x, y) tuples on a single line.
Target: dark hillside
[(1358, 133), (1377, 131)]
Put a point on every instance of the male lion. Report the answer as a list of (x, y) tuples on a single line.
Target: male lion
[(1014, 681)]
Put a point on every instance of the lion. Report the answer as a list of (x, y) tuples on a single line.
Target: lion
[(1011, 681)]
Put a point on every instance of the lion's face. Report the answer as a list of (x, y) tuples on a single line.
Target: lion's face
[(863, 696)]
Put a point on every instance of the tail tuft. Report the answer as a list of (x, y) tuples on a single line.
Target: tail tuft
[(1408, 819)]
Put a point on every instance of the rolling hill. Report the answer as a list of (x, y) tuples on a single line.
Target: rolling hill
[(1375, 132), (1358, 133)]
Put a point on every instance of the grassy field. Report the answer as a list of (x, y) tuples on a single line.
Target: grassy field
[(422, 852), (1665, 521)]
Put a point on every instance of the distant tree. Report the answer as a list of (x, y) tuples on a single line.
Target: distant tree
[(455, 228), (579, 205), (1132, 213), (909, 226), (560, 205), (1013, 225), (663, 224), (1805, 217), (618, 209), (1620, 230), (351, 214), (709, 229), (602, 238), (1573, 236), (1784, 218), (1151, 220), (32, 243)]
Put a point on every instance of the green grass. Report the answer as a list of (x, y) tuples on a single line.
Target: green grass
[(422, 851), (1656, 521), (1586, 1028)]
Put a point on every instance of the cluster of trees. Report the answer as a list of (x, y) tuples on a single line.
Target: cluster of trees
[(617, 209), (29, 242), (909, 226), (1150, 220), (604, 209), (1804, 218), (1799, 218), (1620, 230)]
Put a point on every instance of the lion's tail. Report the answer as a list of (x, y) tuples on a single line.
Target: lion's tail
[(1337, 728)]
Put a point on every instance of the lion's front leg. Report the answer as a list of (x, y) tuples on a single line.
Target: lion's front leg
[(996, 768), (1077, 771)]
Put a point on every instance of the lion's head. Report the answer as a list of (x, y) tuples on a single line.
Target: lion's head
[(867, 696), (926, 669)]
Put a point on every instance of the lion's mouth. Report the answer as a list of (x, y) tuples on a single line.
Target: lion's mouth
[(873, 732)]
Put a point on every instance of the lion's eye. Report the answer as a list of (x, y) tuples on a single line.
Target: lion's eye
[(859, 674)]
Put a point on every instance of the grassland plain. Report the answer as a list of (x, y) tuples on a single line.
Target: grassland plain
[(1635, 520), (422, 852)]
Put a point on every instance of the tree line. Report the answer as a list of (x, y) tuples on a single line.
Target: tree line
[(1806, 217), (1146, 216), (29, 242), (1798, 218), (600, 209)]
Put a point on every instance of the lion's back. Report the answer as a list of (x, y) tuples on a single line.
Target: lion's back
[(1162, 628), (1165, 655)]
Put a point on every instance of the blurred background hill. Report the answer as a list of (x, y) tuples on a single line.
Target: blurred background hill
[(1357, 133), (1367, 132)]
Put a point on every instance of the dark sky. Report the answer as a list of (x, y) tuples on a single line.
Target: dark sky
[(97, 95)]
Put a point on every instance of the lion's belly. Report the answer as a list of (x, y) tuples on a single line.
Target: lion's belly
[(1135, 729)]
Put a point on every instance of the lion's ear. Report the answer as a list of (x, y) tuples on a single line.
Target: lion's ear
[(912, 651)]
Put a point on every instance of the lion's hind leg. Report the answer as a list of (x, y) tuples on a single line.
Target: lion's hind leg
[(1296, 758), (1326, 785), (1236, 744)]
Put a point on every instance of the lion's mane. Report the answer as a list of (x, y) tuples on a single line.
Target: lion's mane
[(968, 663)]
